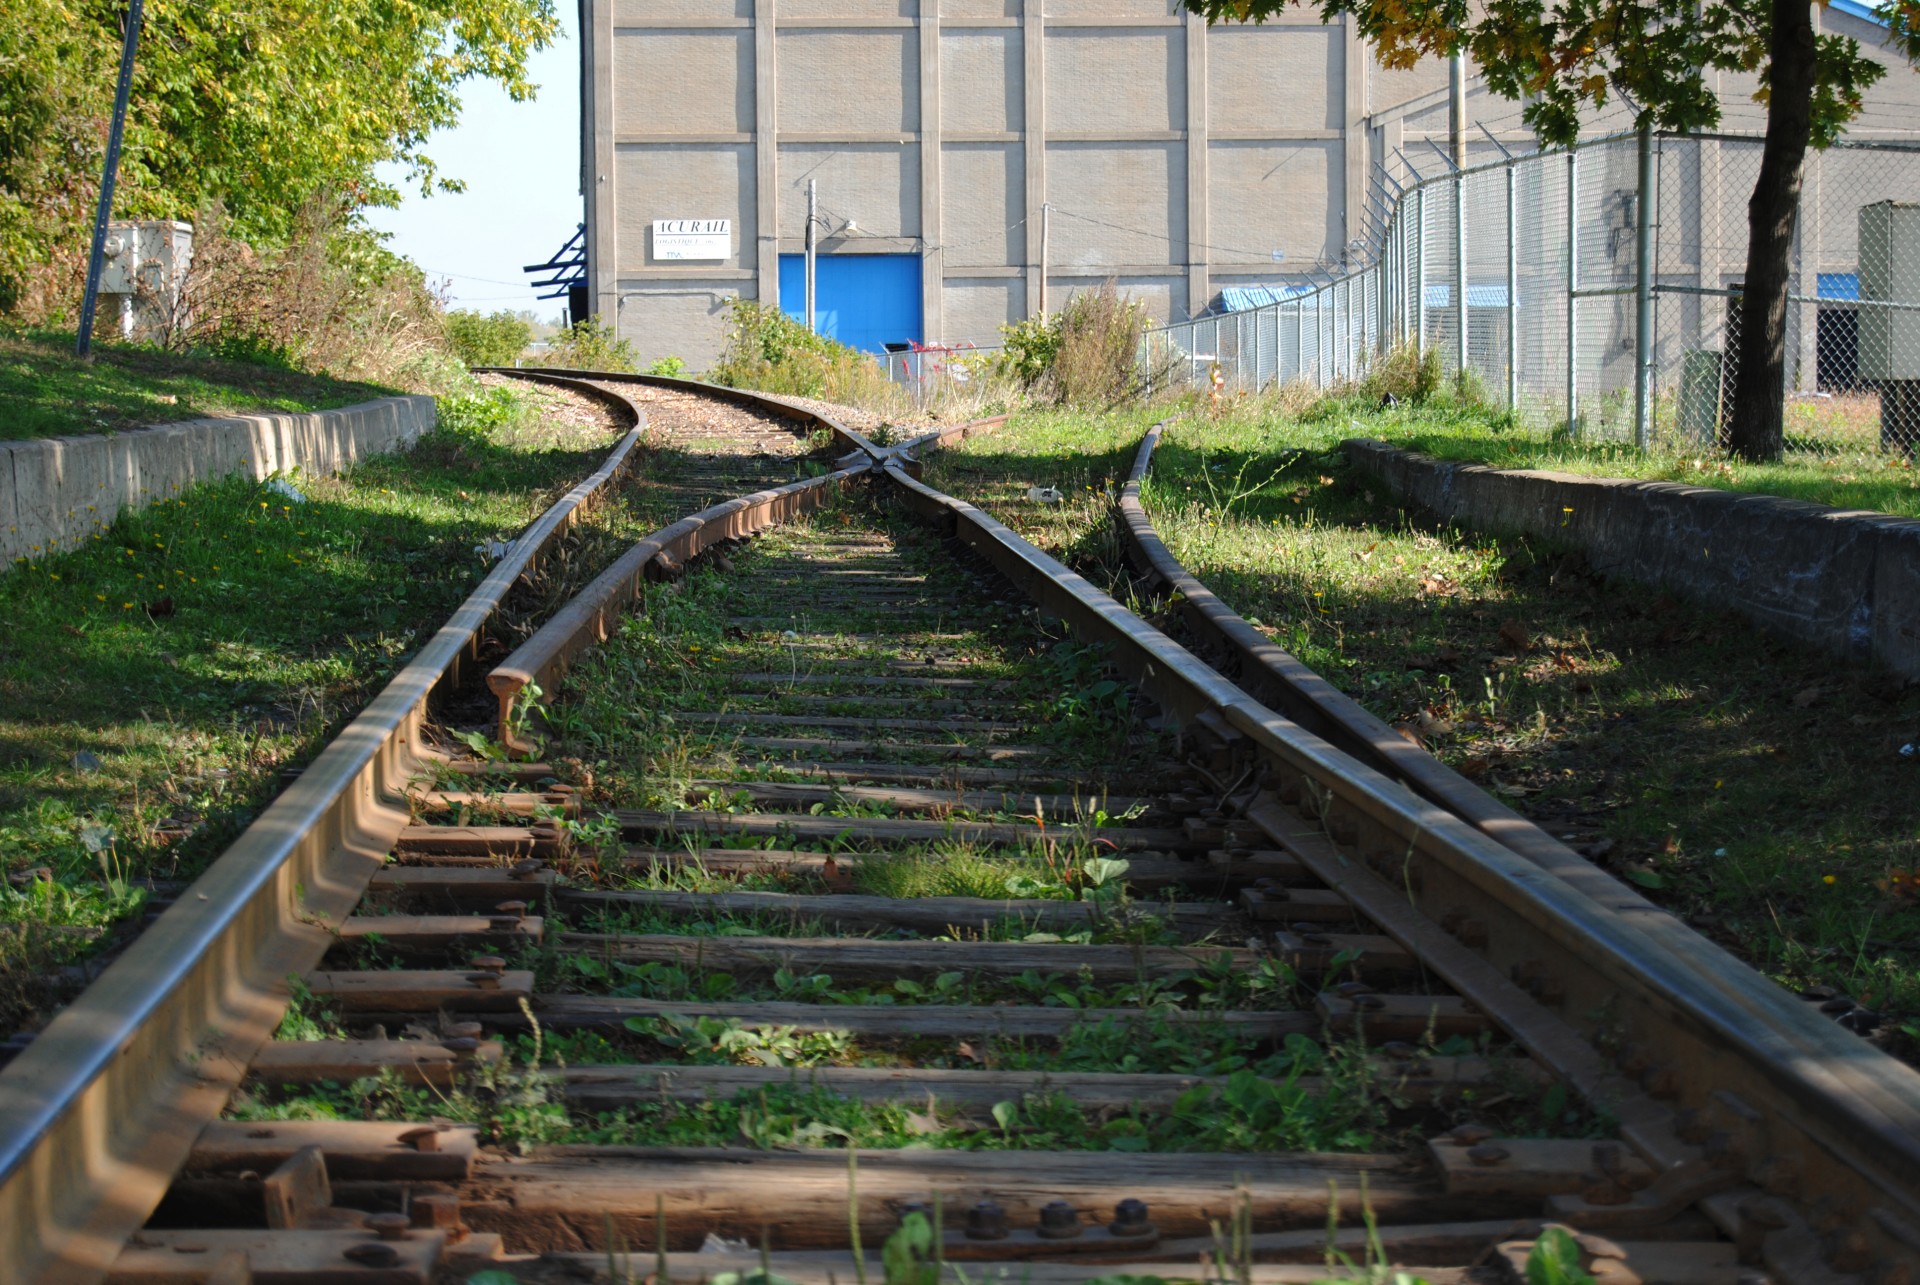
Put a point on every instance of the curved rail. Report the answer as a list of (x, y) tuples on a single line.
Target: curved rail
[(1774, 1095), (587, 619), (103, 1106)]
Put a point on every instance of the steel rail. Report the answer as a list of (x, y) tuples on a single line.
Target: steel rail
[(587, 619), (1786, 1101), (103, 1106), (805, 416)]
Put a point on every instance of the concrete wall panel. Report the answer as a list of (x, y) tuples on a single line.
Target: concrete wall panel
[(794, 12), (1112, 8), (876, 185), (57, 492), (980, 84), (976, 309), (986, 202), (684, 181), (1165, 297), (957, 12), (824, 73), (683, 82), (680, 318), (1117, 204), (1276, 79), (1116, 80), (1276, 196), (638, 13)]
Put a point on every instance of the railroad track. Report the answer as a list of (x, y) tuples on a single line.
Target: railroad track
[(891, 881)]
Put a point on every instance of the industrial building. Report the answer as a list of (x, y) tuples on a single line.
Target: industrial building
[(976, 160)]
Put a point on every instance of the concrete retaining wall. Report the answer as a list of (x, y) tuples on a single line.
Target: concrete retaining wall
[(56, 492), (1847, 582)]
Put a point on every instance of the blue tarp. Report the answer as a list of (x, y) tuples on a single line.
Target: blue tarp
[(1493, 296), (1242, 298)]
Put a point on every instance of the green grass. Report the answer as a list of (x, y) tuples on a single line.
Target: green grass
[(1753, 786), (1826, 462), (45, 391), (154, 684)]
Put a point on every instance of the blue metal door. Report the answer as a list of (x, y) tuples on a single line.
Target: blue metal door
[(863, 300)]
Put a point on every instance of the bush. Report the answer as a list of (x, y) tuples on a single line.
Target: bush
[(770, 351), (1087, 354), (1405, 374), (332, 300), (495, 339), (591, 345), (667, 368)]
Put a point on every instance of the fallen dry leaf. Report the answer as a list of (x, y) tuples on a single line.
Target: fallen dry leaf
[(1514, 634)]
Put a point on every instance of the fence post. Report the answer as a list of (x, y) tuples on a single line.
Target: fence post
[(1643, 296), (1573, 285), (1420, 277), (1513, 289), (1460, 266)]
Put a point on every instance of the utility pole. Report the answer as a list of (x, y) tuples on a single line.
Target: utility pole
[(813, 221), (83, 341), (1046, 220)]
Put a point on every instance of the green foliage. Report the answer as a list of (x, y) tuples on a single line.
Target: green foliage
[(1087, 354), (490, 339), (1661, 57), (591, 344), (771, 351), (1029, 348), (261, 104), (911, 1256), (667, 367), (1555, 1259)]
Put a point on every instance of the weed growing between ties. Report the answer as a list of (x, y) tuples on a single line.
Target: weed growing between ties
[(159, 680), (1756, 788)]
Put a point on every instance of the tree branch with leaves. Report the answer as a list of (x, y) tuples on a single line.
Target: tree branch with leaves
[(1561, 57)]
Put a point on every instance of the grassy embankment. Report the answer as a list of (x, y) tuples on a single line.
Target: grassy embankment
[(154, 684), (1830, 458), (1754, 786), (45, 391)]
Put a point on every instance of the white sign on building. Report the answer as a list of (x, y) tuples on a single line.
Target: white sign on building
[(692, 238)]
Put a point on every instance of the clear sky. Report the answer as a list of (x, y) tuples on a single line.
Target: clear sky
[(521, 165)]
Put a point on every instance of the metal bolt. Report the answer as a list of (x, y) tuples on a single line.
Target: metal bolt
[(1487, 1154), (518, 909), (1059, 1221), (1315, 939), (485, 981), (1350, 989), (1130, 1219), (526, 869), (986, 1221), (372, 1253), (461, 1046), (465, 1030), (1469, 1135), (389, 1226), (490, 964)]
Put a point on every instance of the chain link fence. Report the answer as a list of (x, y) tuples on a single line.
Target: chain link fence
[(1598, 289)]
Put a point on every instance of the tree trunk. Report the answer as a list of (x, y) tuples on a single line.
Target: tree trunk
[(1757, 427)]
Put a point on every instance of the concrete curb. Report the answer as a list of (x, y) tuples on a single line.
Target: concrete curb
[(1845, 581), (56, 492)]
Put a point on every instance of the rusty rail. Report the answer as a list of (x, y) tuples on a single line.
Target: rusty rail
[(103, 1106), (1727, 1085)]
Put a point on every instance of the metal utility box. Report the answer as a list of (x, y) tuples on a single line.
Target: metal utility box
[(1890, 290), (145, 269)]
